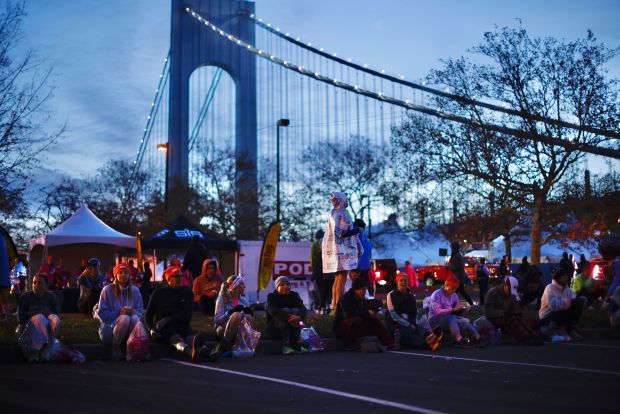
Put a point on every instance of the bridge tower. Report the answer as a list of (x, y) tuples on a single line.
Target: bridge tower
[(193, 45)]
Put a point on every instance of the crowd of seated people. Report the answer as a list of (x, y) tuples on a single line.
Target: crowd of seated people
[(119, 305)]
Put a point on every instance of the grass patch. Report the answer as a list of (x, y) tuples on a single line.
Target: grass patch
[(78, 328)]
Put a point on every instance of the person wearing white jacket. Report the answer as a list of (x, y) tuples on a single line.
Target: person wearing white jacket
[(119, 310), (560, 309)]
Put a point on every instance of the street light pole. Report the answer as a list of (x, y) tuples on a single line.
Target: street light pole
[(281, 123), (165, 148)]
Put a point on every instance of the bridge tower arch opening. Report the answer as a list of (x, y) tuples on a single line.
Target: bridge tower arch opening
[(196, 47)]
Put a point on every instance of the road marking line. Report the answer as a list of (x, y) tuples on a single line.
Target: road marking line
[(525, 364), (385, 403)]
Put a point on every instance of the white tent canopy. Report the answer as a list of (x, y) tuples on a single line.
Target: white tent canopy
[(80, 237), (83, 227)]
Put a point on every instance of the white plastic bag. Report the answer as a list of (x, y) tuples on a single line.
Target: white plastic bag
[(246, 340), (312, 340), (138, 344)]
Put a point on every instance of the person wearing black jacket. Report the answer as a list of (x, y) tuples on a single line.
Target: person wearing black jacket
[(169, 314), (457, 266), (403, 317), (38, 321), (285, 315), (353, 319)]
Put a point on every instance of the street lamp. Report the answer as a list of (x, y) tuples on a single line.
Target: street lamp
[(362, 198), (164, 148), (281, 123)]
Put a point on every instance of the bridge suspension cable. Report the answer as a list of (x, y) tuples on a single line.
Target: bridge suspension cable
[(146, 135), (400, 79), (407, 104)]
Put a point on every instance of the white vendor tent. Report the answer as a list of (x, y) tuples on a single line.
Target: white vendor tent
[(81, 236)]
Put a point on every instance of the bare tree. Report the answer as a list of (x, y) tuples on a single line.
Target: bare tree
[(357, 169), (545, 82), (217, 191), (24, 89)]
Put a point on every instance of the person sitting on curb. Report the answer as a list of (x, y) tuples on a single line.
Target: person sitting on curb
[(501, 308), (207, 286), (353, 319), (38, 322), (285, 315), (403, 317), (231, 309), (445, 312), (119, 310), (91, 282), (372, 303), (169, 313), (560, 308)]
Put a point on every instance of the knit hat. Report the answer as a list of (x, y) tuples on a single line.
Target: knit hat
[(514, 284), (171, 271), (93, 262), (280, 280), (452, 281), (119, 267)]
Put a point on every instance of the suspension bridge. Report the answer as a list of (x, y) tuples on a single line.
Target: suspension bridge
[(230, 77)]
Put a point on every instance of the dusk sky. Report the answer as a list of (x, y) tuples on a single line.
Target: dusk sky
[(108, 55)]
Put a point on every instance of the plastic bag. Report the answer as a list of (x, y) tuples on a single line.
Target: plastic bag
[(62, 354), (138, 344), (246, 340), (312, 340), (487, 329)]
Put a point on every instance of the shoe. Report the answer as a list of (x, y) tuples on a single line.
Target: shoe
[(219, 350), (287, 350), (45, 354), (463, 343), (300, 349), (117, 353), (480, 343), (435, 345), (575, 336), (197, 344), (433, 341), (31, 356)]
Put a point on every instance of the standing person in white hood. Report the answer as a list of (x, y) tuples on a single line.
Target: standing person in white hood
[(341, 246), (120, 309)]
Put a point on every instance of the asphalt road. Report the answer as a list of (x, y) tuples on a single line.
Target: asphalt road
[(580, 378)]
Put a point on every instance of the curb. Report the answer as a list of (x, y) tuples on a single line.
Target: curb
[(10, 354), (97, 352)]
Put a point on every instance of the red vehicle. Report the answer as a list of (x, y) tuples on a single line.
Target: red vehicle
[(385, 272), (429, 275), (602, 272)]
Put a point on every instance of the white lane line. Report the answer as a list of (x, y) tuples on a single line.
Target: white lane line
[(386, 403), (587, 345), (525, 364)]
